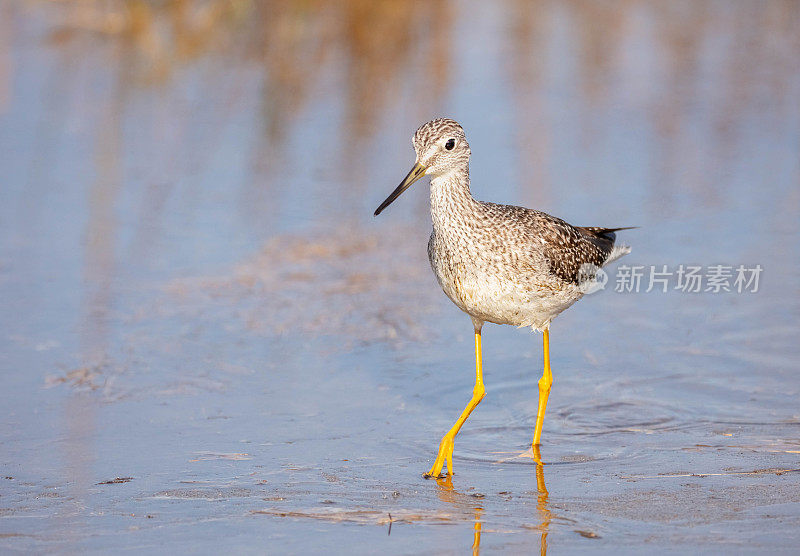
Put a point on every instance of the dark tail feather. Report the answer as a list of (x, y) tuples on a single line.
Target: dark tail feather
[(605, 233)]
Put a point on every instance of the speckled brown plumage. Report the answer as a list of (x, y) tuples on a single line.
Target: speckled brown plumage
[(500, 263)]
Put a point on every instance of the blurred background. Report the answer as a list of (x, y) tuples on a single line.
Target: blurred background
[(194, 290)]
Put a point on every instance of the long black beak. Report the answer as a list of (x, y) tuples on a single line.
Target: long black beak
[(416, 173)]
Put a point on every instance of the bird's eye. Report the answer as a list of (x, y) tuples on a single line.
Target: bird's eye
[(450, 144)]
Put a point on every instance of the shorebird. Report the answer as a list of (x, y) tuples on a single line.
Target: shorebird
[(499, 263)]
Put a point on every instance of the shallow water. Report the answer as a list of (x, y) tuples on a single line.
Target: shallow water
[(209, 343)]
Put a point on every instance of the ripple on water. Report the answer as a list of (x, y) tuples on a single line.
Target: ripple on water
[(510, 445), (634, 434), (640, 416)]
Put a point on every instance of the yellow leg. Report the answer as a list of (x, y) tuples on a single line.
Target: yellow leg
[(446, 445), (544, 391)]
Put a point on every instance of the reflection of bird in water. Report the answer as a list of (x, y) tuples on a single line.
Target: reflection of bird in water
[(448, 494), (541, 503), (476, 538), (499, 263)]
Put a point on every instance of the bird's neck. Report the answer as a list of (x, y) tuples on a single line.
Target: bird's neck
[(451, 199)]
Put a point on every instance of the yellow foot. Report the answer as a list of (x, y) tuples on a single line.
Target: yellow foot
[(445, 454)]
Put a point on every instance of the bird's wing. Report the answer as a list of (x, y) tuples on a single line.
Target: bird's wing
[(566, 248)]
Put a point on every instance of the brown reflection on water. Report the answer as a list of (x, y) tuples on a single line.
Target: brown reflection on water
[(368, 59), (371, 51), (373, 54), (381, 39), (99, 279), (693, 74), (529, 32), (390, 46), (164, 35), (599, 29)]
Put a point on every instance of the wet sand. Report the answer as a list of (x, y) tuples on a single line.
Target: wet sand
[(208, 343)]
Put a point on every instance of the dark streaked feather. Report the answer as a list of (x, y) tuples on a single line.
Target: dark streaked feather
[(603, 237), (565, 247)]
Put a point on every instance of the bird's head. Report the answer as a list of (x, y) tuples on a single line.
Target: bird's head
[(441, 146)]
